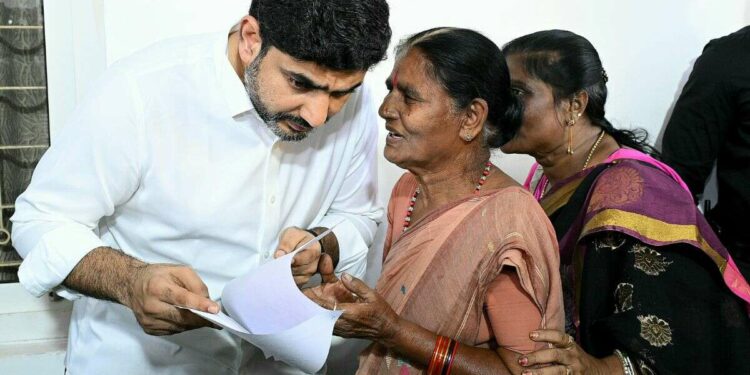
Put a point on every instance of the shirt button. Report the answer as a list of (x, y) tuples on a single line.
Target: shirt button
[(273, 199)]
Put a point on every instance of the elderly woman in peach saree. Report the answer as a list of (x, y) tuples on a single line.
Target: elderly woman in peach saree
[(470, 260)]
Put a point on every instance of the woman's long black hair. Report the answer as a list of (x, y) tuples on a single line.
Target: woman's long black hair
[(469, 65), (569, 64)]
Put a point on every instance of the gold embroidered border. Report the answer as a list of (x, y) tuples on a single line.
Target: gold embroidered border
[(653, 229), (559, 198)]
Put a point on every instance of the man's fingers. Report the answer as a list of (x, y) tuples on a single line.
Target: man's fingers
[(162, 319), (325, 268), (303, 269), (178, 319), (163, 327), (301, 280), (192, 320), (183, 287), (187, 277), (161, 288), (175, 295), (158, 332), (304, 261), (290, 239), (308, 256)]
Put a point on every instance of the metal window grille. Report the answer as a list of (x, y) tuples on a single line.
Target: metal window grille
[(24, 118)]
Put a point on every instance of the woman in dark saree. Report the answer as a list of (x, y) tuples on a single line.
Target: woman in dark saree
[(648, 287)]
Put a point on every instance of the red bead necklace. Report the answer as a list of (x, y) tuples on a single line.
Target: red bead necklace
[(407, 219)]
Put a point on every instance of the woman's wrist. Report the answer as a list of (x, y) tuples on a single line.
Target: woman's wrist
[(610, 365), (391, 332), (626, 365)]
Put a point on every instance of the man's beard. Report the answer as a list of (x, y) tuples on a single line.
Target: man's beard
[(272, 118)]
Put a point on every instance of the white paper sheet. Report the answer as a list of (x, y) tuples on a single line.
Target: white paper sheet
[(266, 308)]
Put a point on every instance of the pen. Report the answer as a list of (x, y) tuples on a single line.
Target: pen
[(317, 238)]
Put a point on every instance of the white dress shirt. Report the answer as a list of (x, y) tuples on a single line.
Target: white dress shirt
[(167, 160)]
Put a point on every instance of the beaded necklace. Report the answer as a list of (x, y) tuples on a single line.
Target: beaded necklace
[(477, 188)]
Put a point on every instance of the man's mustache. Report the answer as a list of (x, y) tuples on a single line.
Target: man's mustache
[(299, 121)]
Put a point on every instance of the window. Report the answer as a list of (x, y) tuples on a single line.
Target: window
[(24, 119)]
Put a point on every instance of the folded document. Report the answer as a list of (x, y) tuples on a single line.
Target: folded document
[(266, 308)]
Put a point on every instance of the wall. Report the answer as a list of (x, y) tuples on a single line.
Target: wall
[(647, 47)]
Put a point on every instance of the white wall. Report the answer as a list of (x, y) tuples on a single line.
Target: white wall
[(75, 54), (647, 47)]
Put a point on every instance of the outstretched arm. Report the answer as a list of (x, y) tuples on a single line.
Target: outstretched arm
[(152, 291), (370, 317)]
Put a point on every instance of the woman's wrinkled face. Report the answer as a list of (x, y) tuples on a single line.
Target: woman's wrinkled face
[(542, 131), (423, 129)]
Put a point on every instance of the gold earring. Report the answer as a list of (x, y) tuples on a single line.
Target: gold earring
[(570, 140)]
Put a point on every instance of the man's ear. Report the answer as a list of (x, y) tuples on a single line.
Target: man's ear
[(250, 42)]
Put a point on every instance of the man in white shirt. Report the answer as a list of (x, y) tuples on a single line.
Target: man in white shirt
[(191, 163)]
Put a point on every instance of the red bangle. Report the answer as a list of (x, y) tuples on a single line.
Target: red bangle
[(436, 362), (442, 356), (452, 356)]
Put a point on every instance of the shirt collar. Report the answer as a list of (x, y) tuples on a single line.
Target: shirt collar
[(230, 85)]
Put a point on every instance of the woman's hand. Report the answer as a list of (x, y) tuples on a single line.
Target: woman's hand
[(331, 290), (565, 358), (366, 314), (369, 317)]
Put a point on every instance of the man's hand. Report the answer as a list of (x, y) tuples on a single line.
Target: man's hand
[(156, 290), (151, 290), (308, 261)]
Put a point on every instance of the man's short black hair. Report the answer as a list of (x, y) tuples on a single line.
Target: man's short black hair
[(342, 35)]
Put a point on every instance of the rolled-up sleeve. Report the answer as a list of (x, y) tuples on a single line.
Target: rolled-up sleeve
[(355, 206), (90, 168)]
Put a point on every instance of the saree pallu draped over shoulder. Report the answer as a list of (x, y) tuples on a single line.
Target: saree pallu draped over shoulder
[(639, 196), (437, 273), (644, 273)]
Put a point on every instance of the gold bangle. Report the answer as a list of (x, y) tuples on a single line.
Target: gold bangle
[(627, 365)]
